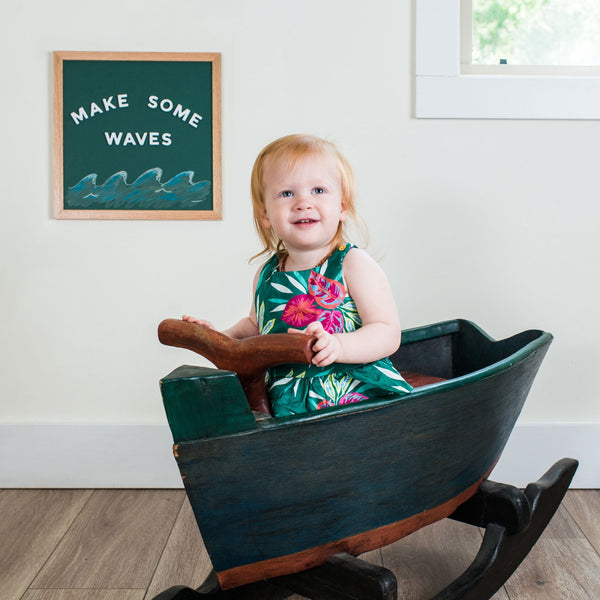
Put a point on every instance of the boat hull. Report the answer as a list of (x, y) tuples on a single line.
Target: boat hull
[(281, 495)]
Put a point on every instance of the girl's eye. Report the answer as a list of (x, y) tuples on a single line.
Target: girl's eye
[(286, 194), (318, 190)]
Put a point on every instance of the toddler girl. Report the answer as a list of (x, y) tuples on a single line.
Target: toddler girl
[(317, 282)]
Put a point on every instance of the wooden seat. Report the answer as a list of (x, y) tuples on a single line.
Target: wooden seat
[(418, 380)]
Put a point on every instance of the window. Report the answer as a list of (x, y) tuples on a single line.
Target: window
[(548, 33), (448, 87), (552, 34)]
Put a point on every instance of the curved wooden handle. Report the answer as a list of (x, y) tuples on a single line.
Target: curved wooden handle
[(249, 358)]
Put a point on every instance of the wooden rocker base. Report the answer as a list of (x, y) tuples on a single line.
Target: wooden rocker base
[(342, 577), (513, 520)]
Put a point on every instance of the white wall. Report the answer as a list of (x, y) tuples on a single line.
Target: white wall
[(495, 221)]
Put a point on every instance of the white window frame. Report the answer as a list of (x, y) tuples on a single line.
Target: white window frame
[(443, 91)]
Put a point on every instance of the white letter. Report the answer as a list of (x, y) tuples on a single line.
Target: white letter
[(141, 138), (122, 98), (166, 105), (152, 101), (194, 120), (154, 138), (80, 116), (113, 137), (166, 139), (108, 103), (94, 108), (128, 139), (179, 112)]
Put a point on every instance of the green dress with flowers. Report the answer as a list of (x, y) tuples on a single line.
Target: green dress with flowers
[(294, 299)]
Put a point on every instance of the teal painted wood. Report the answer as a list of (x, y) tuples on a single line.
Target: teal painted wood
[(288, 485), (203, 402)]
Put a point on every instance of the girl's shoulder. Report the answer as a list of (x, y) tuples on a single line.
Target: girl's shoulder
[(359, 265), (357, 257)]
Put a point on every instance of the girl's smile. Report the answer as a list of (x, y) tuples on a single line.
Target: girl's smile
[(305, 221)]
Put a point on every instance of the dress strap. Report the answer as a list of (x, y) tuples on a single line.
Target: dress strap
[(268, 268), (333, 265)]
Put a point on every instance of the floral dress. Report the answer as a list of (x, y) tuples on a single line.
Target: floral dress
[(287, 299)]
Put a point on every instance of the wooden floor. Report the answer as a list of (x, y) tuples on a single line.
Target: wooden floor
[(133, 544)]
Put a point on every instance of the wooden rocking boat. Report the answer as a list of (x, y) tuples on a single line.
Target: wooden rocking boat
[(274, 496)]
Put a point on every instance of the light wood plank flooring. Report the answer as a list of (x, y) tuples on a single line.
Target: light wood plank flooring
[(133, 544)]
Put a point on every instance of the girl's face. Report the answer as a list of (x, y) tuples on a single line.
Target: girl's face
[(304, 205)]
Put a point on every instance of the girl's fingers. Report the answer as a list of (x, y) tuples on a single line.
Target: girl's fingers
[(198, 321), (324, 347), (316, 328), (325, 352), (322, 359), (321, 343)]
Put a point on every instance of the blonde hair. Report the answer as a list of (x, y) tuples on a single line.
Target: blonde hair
[(292, 149)]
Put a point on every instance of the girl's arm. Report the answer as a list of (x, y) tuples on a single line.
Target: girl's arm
[(380, 333), (244, 328)]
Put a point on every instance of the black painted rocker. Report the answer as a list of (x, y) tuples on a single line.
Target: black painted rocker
[(285, 505)]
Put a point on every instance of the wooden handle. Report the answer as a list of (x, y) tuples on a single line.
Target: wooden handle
[(249, 358)]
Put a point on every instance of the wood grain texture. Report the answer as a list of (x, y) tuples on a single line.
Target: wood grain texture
[(414, 456), (84, 595), (354, 545), (562, 565), (32, 522), (115, 542), (584, 507), (184, 560), (249, 358), (557, 569), (57, 140), (429, 559), (417, 453)]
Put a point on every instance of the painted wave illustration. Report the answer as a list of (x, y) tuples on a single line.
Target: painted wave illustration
[(147, 192)]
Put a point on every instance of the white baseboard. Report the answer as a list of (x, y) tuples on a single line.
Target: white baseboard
[(87, 456), (140, 456), (533, 448)]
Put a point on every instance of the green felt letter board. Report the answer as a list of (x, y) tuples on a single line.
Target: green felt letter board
[(137, 135)]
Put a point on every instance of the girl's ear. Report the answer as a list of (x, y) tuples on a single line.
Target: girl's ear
[(264, 220), (343, 212)]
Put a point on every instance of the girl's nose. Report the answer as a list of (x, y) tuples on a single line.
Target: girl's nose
[(303, 201)]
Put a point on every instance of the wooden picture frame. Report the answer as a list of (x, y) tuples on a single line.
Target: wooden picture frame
[(137, 135)]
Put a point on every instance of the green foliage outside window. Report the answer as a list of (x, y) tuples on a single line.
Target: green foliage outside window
[(536, 32)]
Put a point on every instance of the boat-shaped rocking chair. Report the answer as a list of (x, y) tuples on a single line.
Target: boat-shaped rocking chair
[(285, 505)]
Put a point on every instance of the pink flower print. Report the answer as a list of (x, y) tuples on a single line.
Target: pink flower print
[(352, 397), (332, 320), (328, 293), (345, 399), (300, 311), (325, 404)]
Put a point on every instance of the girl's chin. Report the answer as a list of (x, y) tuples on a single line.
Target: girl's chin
[(308, 246)]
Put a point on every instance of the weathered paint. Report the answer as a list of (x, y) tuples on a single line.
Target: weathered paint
[(302, 486)]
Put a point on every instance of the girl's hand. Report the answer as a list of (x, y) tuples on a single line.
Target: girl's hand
[(198, 321), (327, 348)]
